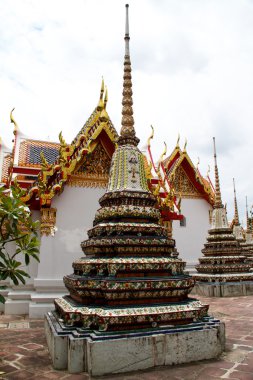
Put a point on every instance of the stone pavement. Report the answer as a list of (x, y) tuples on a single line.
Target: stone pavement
[(24, 354)]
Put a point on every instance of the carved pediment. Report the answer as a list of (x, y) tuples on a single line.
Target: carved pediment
[(98, 162), (94, 171), (183, 185)]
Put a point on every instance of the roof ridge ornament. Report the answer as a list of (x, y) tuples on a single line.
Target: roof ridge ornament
[(100, 105), (218, 201), (185, 144), (178, 139)]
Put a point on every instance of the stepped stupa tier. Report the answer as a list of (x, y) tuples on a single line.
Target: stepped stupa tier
[(130, 276), (237, 228), (223, 259), (247, 245)]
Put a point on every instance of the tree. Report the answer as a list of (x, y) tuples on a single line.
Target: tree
[(16, 226)]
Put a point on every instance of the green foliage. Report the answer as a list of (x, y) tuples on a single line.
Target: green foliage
[(17, 227)]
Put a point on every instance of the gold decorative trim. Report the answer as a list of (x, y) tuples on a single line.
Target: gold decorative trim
[(48, 220), (183, 185), (88, 180), (189, 196)]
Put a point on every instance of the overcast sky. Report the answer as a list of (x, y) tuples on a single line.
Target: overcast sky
[(192, 69)]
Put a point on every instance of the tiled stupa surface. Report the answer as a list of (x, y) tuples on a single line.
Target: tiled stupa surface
[(247, 242), (223, 258), (130, 276)]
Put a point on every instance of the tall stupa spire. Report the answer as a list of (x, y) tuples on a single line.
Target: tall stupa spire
[(127, 133), (127, 37), (218, 201), (236, 216), (247, 216)]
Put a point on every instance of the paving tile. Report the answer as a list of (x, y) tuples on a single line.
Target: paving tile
[(211, 371), (79, 377), (7, 368), (19, 325), (19, 375), (245, 367), (32, 346), (55, 375), (241, 375)]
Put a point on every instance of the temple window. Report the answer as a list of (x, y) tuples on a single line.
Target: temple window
[(183, 222)]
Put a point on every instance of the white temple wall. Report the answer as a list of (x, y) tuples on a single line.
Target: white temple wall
[(190, 238), (76, 208)]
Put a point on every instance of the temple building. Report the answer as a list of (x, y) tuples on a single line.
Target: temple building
[(63, 184), (197, 199), (224, 269)]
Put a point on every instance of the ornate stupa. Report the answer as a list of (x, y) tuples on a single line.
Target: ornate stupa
[(223, 260), (128, 307), (247, 245), (236, 225), (129, 277)]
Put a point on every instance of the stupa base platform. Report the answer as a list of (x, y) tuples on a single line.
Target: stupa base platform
[(100, 353), (223, 289)]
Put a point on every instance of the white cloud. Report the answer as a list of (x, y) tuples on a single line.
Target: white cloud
[(192, 74)]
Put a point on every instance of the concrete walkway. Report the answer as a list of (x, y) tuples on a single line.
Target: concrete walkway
[(24, 354)]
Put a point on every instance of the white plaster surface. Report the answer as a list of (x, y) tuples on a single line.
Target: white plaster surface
[(132, 354), (58, 347), (229, 289), (190, 239), (76, 209), (104, 357)]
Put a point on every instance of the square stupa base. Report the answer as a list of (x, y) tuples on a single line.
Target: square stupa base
[(101, 353), (223, 289)]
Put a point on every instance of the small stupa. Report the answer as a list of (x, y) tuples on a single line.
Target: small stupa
[(223, 270), (129, 293), (247, 245), (237, 228)]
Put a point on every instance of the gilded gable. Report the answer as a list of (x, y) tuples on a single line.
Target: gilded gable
[(183, 185), (94, 170)]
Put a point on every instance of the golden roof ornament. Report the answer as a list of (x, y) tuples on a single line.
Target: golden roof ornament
[(185, 144), (100, 105), (14, 122), (163, 154), (127, 133), (151, 136), (178, 139), (105, 97), (104, 115), (218, 201)]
